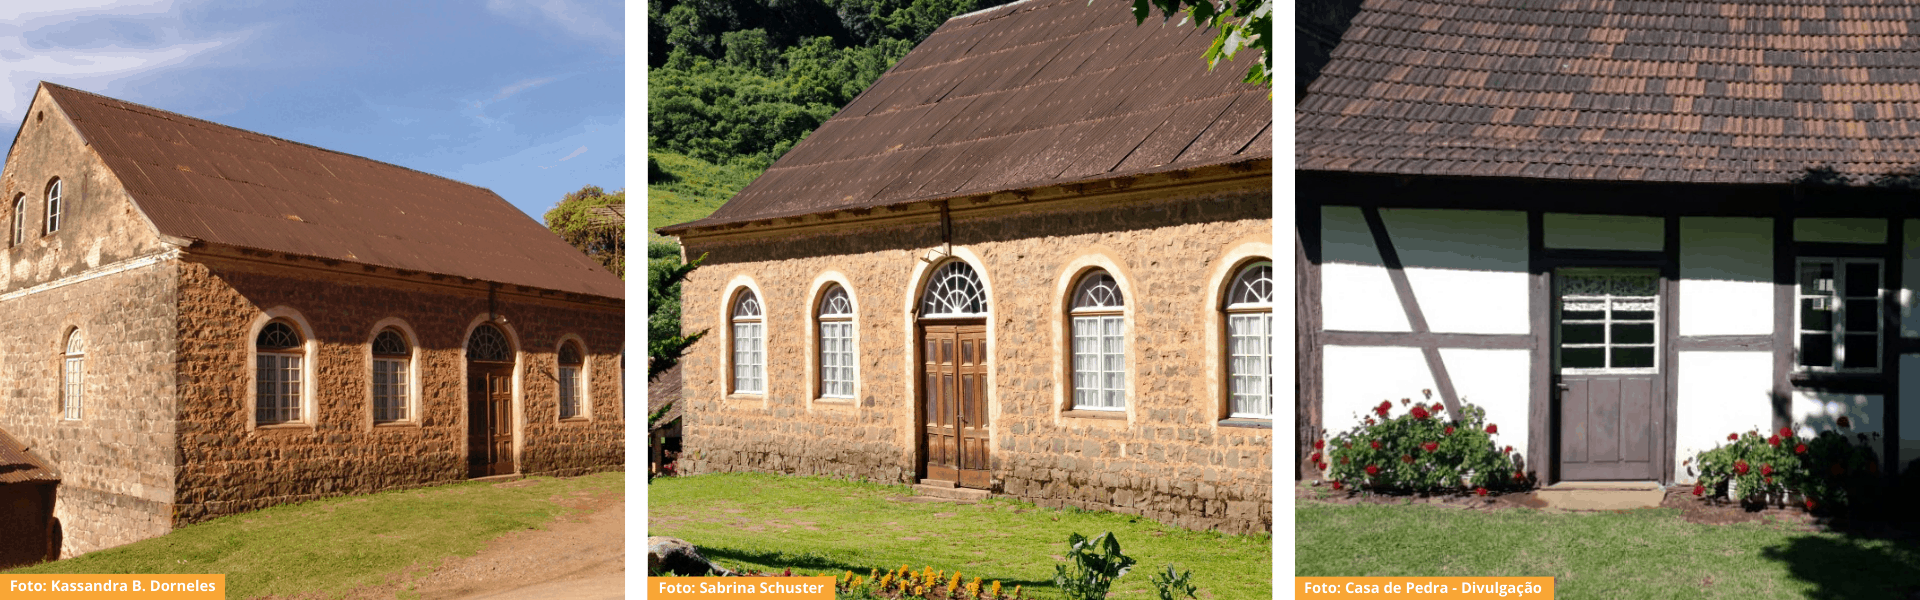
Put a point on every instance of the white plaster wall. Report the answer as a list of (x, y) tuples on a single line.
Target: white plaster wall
[(1726, 276), (1814, 412), (1909, 410), (1910, 269), (1855, 231), (1719, 393), (1604, 232), (1358, 378), (1355, 292), (1467, 268), (1496, 380)]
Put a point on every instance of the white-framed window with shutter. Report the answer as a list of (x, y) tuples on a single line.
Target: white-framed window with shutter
[(1839, 315), (837, 352), (1249, 352), (1099, 343)]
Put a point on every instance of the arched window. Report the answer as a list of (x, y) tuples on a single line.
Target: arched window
[(1249, 313), (571, 385), (749, 345), (1099, 343), (74, 371), (836, 343), (488, 344), (954, 291), (53, 206), (391, 381), (19, 219), (278, 373)]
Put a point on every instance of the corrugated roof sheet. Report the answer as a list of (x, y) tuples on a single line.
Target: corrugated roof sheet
[(662, 390), (1027, 95), (18, 464), (205, 181), (1709, 91)]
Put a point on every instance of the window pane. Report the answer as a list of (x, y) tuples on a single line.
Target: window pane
[(1583, 315), (1816, 350), (1633, 357), (1632, 333), (1862, 352), (1816, 314), (1583, 358), (1633, 315), (1583, 333), (1863, 316), (1816, 279), (1863, 279)]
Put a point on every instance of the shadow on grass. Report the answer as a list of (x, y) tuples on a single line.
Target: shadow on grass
[(1850, 567), (815, 562)]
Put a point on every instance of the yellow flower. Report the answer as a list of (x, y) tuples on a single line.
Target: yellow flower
[(996, 589)]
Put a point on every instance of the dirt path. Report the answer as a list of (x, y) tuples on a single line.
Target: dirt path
[(579, 556)]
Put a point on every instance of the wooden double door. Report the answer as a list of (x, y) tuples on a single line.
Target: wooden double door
[(953, 394), (489, 419)]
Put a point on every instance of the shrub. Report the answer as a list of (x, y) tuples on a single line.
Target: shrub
[(1828, 470), (1421, 451), (1095, 564)]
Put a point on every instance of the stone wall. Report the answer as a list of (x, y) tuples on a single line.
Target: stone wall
[(117, 460), (229, 466), (1170, 457)]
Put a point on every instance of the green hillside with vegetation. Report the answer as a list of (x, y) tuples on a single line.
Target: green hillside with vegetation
[(681, 188)]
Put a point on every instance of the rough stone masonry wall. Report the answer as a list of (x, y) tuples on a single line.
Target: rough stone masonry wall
[(227, 468), (1172, 462), (117, 460)]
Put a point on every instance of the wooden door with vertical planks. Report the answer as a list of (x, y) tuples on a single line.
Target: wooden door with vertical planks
[(954, 404)]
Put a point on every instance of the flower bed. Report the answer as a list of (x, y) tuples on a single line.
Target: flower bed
[(1421, 451), (1829, 471)]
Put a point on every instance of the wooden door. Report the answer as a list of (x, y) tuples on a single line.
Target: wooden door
[(489, 420), (1607, 348), (954, 404)]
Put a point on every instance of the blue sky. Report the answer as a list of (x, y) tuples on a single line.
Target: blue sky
[(524, 97)]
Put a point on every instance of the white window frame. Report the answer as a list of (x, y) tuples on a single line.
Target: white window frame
[(19, 220), (279, 380), (54, 206), (1258, 311), (1607, 321), (73, 376), (748, 343), (1838, 334), (1098, 346), (571, 382), (401, 374), (303, 366), (838, 369)]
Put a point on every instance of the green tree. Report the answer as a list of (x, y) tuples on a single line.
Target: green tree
[(665, 342), (1242, 23), (589, 219)]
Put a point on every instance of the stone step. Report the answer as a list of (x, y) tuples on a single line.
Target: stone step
[(950, 493), (1601, 495), (939, 483)]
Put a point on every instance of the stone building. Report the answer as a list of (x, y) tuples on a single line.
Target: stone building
[(197, 320), (1033, 259)]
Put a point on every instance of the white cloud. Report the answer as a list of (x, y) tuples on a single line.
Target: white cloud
[(581, 150), (14, 14), (600, 22), (23, 66), (520, 86)]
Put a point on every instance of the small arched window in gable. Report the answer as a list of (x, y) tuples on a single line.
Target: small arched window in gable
[(54, 206), (488, 344), (1099, 343), (836, 343), (571, 384), (954, 291), (279, 373), (19, 219), (73, 375), (1249, 313), (392, 357), (749, 345)]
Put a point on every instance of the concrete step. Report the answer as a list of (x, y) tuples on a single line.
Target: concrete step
[(939, 483), (1601, 495), (950, 492)]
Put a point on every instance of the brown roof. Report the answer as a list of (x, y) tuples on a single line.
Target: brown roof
[(1724, 91), (205, 181), (1026, 95), (19, 464), (661, 390)]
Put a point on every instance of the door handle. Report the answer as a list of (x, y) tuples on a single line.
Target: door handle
[(1563, 387)]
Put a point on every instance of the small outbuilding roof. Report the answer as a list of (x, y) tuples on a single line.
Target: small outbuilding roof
[(18, 464), (204, 181), (1708, 91), (1031, 94)]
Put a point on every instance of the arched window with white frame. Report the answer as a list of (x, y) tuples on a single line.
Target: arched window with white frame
[(1249, 352), (836, 343), (1098, 314), (572, 385), (392, 381), (279, 373), (73, 376), (749, 344), (54, 206)]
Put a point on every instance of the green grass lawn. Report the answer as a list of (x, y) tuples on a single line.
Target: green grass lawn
[(1650, 553), (693, 190), (334, 545), (772, 522)]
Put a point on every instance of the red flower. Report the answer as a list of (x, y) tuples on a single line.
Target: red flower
[(1519, 476), (1491, 428), (1319, 444), (1506, 450), (1373, 470), (1844, 422), (1437, 407), (1323, 466), (1740, 466), (1733, 436), (1773, 440), (1382, 410), (1480, 491), (1786, 432), (1800, 449), (1315, 457), (1699, 490), (1766, 469), (1810, 504), (1420, 412), (1769, 480), (1376, 444), (1431, 446), (1406, 458), (1449, 430), (1336, 485), (1369, 420)]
